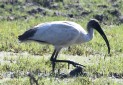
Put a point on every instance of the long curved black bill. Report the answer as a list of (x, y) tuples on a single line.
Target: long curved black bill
[(99, 29)]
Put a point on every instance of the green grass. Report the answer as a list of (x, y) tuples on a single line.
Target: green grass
[(33, 57), (10, 31), (92, 54), (100, 65)]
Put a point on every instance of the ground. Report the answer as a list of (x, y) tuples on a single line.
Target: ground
[(18, 60)]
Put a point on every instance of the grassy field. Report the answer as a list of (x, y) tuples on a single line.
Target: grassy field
[(18, 59)]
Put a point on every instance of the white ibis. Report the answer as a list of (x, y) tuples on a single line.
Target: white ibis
[(62, 34)]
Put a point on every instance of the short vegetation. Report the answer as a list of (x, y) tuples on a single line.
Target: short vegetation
[(18, 60)]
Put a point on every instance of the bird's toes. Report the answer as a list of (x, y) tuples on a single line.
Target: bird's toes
[(78, 65)]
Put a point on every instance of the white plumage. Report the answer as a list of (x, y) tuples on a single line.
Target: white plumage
[(62, 34)]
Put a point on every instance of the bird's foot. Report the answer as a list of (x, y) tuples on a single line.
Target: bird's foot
[(66, 61), (75, 64)]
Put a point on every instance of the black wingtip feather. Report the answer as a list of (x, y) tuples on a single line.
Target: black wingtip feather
[(26, 35)]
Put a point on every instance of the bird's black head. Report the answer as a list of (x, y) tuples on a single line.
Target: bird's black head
[(93, 23)]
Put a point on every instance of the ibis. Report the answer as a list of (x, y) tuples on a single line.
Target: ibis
[(62, 34)]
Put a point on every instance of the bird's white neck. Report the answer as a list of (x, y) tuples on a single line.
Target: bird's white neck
[(86, 36), (90, 34)]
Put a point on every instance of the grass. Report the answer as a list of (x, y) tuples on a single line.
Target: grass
[(11, 30), (20, 58), (95, 65), (92, 54)]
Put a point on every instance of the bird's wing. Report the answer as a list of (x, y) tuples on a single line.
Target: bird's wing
[(56, 33)]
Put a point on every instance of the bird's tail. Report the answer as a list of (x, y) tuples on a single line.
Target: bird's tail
[(26, 35), (21, 38)]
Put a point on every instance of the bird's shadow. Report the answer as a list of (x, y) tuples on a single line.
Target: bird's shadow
[(76, 72)]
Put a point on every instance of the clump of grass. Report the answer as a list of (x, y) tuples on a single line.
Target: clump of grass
[(98, 68)]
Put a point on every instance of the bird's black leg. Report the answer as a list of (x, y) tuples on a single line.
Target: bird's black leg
[(53, 59)]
